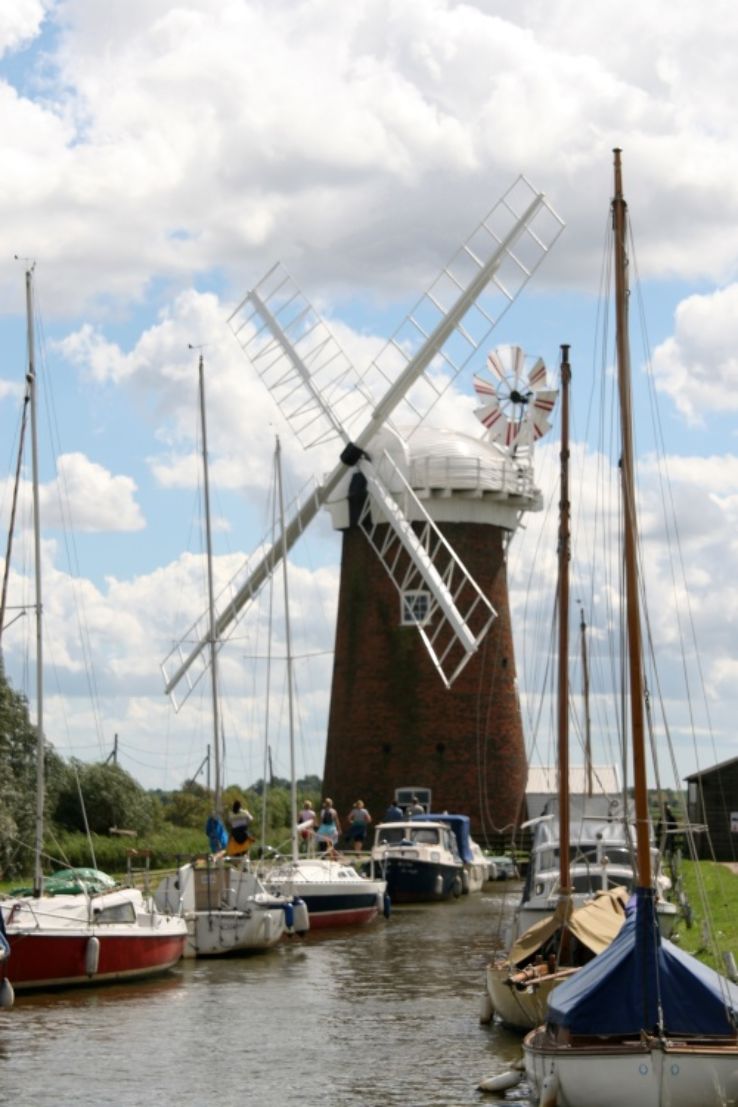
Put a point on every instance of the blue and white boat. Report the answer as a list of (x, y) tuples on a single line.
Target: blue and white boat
[(419, 859)]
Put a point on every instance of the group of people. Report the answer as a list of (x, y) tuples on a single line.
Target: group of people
[(324, 826)]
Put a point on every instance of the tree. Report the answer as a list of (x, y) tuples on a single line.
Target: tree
[(111, 798), (189, 807)]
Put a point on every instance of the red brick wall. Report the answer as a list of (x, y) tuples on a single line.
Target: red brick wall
[(392, 721)]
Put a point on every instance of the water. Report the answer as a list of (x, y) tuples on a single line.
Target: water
[(377, 1016)]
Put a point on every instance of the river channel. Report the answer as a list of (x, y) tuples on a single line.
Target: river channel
[(377, 1016)]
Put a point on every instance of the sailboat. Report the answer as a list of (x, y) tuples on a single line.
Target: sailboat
[(84, 929), (226, 906), (644, 1022), (335, 893), (554, 945)]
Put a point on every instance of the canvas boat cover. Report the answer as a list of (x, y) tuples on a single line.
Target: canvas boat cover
[(643, 982), (461, 828), (595, 924), (72, 882)]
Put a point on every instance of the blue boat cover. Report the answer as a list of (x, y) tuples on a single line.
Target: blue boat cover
[(643, 982), (460, 826)]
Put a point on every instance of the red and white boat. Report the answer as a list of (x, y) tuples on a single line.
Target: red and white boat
[(96, 935), (82, 928)]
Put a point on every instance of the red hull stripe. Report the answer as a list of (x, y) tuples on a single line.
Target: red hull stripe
[(42, 961)]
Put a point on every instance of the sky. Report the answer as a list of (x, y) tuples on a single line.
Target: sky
[(159, 157)]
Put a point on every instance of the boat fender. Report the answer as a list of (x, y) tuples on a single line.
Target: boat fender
[(7, 994), (92, 955), (289, 916), (302, 916), (465, 882), (549, 1091), (486, 1009), (386, 905), (457, 887), (500, 1082), (438, 888)]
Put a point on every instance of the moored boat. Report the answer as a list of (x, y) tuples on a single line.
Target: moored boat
[(228, 909), (644, 1022), (333, 891), (419, 860), (519, 985), (100, 934), (82, 928)]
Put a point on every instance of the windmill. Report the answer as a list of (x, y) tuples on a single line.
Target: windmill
[(369, 417)]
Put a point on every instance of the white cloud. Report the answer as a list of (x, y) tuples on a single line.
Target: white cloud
[(20, 23), (342, 133), (698, 365), (84, 497)]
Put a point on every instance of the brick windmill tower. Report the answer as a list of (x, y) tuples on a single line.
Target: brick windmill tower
[(370, 419), (393, 724)]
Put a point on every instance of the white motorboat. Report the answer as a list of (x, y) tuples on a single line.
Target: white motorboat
[(419, 859)]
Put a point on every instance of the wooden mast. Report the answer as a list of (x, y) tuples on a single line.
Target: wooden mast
[(630, 532), (564, 553)]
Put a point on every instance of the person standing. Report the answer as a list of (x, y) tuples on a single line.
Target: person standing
[(306, 822), (415, 807), (240, 841), (358, 820), (393, 814), (329, 827)]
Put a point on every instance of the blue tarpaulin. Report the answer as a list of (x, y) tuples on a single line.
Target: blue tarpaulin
[(460, 826), (643, 982)]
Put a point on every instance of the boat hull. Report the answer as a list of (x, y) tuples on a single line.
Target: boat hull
[(647, 1072), (49, 960), (327, 909), (226, 909), (417, 881), (333, 891), (219, 933), (521, 1005)]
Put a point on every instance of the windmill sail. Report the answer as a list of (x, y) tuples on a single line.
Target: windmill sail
[(325, 399)]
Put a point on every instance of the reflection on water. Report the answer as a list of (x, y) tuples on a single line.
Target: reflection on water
[(369, 1017)]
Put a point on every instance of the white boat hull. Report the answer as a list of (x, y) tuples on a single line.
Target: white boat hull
[(335, 894), (226, 909), (651, 1073)]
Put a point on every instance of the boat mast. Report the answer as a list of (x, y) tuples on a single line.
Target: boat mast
[(288, 655), (630, 531), (585, 694), (218, 799), (564, 551), (38, 876)]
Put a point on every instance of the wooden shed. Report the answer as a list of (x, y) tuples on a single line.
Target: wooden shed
[(712, 802)]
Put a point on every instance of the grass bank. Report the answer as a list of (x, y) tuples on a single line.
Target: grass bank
[(712, 892)]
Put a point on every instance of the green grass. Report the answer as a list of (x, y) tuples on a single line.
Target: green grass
[(712, 892)]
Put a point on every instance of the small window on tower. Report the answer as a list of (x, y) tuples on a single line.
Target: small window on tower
[(415, 608)]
